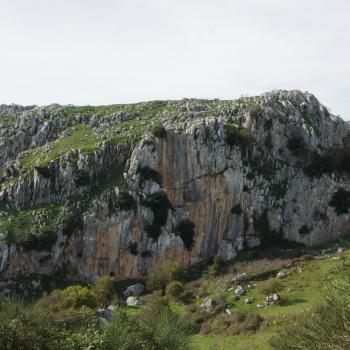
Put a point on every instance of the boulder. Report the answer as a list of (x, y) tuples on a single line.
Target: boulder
[(133, 301), (253, 241), (134, 290), (106, 314), (226, 251)]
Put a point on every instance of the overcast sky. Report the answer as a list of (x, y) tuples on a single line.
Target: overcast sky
[(115, 51)]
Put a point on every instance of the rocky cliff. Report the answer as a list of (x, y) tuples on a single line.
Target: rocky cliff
[(89, 191)]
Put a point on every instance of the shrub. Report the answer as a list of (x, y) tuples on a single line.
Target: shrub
[(158, 130), (82, 178), (159, 204), (164, 274), (133, 248), (231, 134), (238, 136), (304, 230), (170, 331), (103, 290), (267, 235), (153, 231), (150, 174), (163, 331), (41, 241), (237, 210), (125, 201), (123, 333), (340, 201), (174, 289), (214, 268), (44, 171), (77, 296), (334, 160), (270, 286), (297, 146), (185, 229), (255, 111), (27, 327)]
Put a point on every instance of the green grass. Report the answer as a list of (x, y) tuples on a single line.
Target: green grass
[(242, 342), (21, 222), (82, 137)]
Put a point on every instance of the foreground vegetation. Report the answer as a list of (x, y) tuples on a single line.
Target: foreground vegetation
[(312, 311)]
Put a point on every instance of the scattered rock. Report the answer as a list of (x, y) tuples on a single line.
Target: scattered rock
[(208, 305), (260, 306), (281, 275), (239, 277), (228, 312), (249, 301), (239, 291), (271, 299)]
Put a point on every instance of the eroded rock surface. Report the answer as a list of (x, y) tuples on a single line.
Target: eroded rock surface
[(91, 191)]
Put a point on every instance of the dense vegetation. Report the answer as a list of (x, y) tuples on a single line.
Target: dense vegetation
[(312, 312)]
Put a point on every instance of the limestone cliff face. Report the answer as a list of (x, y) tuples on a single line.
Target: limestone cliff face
[(214, 177)]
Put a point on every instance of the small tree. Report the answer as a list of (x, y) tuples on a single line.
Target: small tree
[(103, 290), (160, 277)]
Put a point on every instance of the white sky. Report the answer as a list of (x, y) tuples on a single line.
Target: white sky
[(114, 51)]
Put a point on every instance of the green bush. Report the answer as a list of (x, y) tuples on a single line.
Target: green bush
[(185, 229), (44, 171), (236, 136), (103, 289), (77, 296), (27, 327), (158, 130), (237, 210), (334, 160), (148, 173), (164, 330), (268, 236), (170, 331), (133, 248), (214, 268), (255, 110), (340, 201), (41, 241), (82, 178), (125, 201), (174, 290), (159, 204), (164, 274), (297, 146)]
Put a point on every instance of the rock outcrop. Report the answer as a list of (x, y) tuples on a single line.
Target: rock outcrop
[(117, 190)]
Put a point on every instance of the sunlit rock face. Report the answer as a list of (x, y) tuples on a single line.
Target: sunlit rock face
[(120, 191)]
